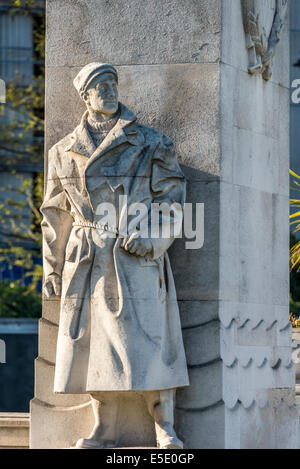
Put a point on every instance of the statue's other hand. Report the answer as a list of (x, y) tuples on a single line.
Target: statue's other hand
[(137, 246), (52, 285)]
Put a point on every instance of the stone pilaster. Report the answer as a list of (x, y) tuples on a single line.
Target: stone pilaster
[(259, 375)]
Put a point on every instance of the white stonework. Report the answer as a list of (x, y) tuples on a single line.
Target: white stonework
[(119, 326), (259, 374), (14, 430), (263, 22), (231, 134)]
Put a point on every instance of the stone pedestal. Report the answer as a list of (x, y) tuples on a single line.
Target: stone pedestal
[(14, 430), (183, 68)]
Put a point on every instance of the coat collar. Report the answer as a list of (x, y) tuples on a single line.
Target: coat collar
[(123, 131), (81, 140)]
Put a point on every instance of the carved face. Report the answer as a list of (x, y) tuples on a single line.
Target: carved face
[(102, 94)]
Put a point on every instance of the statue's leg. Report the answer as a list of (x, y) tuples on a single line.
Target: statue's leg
[(161, 407), (105, 413)]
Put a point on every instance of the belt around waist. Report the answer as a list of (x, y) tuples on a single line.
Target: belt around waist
[(99, 226)]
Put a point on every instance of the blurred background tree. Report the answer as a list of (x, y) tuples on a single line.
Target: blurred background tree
[(295, 251), (21, 158)]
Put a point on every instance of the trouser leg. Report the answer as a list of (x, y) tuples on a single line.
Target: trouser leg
[(161, 407), (105, 411)]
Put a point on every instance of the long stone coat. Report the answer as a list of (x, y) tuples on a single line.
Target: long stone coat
[(119, 326)]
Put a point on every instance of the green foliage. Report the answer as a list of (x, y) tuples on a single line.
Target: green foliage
[(294, 275), (19, 302), (21, 146), (23, 240), (295, 256), (294, 290), (294, 319), (19, 134), (295, 222), (294, 307)]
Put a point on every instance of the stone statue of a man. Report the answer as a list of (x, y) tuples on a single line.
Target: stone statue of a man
[(119, 324)]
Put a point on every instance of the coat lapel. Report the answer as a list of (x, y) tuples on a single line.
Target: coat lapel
[(124, 131), (81, 140), (118, 135)]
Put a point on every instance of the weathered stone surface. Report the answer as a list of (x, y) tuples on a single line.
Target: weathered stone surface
[(255, 232), (263, 22), (254, 245), (255, 334), (258, 242), (139, 32), (45, 371), (96, 353), (47, 340), (254, 314), (234, 51), (51, 308), (196, 313), (176, 90), (205, 388), (276, 425), (63, 411), (57, 427), (256, 109), (72, 422), (202, 344), (14, 430), (199, 284), (202, 430), (254, 138), (231, 134)]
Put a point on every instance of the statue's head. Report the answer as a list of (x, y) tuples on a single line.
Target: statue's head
[(97, 85)]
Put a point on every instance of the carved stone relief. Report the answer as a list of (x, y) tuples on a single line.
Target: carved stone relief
[(263, 22), (119, 327)]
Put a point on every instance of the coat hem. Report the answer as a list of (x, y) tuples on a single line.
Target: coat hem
[(89, 391)]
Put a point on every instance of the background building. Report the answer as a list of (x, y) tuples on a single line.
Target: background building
[(295, 74), (21, 165)]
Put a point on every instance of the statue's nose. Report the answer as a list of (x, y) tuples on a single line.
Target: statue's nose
[(111, 93), (112, 90)]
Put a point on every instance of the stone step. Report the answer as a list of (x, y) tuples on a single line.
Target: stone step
[(14, 430)]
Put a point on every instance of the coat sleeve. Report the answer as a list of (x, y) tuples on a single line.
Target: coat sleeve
[(57, 220), (168, 187)]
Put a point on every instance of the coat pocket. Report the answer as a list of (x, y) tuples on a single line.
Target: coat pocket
[(159, 264)]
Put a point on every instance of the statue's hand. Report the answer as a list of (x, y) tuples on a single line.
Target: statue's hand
[(52, 285), (137, 246)]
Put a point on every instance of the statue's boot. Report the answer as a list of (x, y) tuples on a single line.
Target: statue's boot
[(103, 433), (161, 407)]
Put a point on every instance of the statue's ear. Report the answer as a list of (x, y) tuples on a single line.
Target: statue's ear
[(85, 97)]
